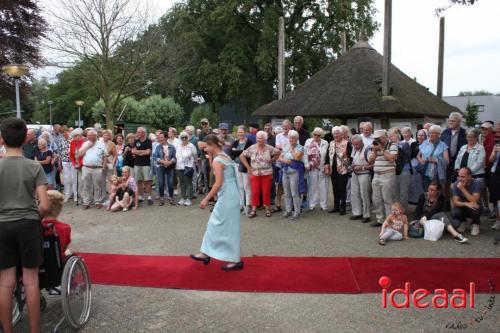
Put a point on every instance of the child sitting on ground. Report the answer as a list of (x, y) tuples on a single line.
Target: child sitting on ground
[(395, 226), (63, 230), (124, 198), (115, 185)]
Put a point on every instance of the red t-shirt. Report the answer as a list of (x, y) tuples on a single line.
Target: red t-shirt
[(63, 231)]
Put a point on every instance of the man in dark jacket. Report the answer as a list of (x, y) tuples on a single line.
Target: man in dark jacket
[(454, 137)]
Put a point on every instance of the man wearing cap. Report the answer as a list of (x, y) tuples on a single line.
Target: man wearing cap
[(383, 157), (205, 165), (225, 137)]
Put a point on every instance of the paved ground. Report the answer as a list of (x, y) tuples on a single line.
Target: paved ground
[(179, 230)]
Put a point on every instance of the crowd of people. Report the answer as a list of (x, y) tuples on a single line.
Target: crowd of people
[(285, 169)]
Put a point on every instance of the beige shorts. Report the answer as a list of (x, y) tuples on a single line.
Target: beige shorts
[(142, 173)]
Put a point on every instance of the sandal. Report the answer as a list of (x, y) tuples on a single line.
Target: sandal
[(269, 213), (252, 214), (276, 209)]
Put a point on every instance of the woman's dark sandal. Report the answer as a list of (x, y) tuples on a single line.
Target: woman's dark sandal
[(205, 260), (277, 209), (252, 214), (233, 267), (269, 213)]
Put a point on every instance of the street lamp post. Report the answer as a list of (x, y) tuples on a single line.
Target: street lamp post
[(79, 104), (50, 111), (16, 72)]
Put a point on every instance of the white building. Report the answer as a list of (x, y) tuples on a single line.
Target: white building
[(488, 106)]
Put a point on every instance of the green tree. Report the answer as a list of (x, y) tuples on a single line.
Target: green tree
[(204, 111), (224, 51), (475, 93), (105, 35), (159, 112), (21, 28), (472, 117), (72, 85)]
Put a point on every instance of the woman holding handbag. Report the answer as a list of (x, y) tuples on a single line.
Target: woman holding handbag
[(186, 156)]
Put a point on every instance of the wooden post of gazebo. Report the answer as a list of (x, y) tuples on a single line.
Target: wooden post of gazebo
[(281, 58), (386, 65), (439, 90)]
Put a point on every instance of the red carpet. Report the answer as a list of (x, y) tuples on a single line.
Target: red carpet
[(293, 274)]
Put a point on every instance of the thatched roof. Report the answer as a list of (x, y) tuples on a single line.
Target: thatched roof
[(351, 87)]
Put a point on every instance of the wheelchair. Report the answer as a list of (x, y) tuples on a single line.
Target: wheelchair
[(62, 276)]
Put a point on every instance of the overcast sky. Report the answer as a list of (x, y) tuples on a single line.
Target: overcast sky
[(472, 42)]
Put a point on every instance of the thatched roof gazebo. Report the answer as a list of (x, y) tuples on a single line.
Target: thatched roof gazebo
[(350, 88)]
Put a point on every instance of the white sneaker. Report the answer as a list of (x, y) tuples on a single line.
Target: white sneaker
[(181, 202), (188, 203), (474, 230), (461, 228), (66, 198), (75, 198), (496, 225)]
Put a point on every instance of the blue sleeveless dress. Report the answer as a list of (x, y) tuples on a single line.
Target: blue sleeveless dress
[(222, 237)]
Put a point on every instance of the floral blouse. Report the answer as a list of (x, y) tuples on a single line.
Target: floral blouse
[(261, 160)]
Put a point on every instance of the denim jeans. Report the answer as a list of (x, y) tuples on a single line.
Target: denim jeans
[(165, 178), (391, 234), (292, 196)]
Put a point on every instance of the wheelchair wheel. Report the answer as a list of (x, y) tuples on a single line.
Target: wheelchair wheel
[(76, 295)]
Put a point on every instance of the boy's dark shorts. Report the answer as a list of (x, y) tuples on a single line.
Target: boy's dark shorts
[(21, 244)]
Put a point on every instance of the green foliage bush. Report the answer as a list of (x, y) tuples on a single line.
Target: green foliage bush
[(204, 111)]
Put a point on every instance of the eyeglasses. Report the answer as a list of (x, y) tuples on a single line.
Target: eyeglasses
[(316, 135), (267, 128), (184, 137), (204, 123)]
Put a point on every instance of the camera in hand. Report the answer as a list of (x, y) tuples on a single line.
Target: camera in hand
[(376, 142)]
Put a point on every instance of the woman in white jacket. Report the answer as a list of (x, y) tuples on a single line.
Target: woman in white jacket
[(315, 153)]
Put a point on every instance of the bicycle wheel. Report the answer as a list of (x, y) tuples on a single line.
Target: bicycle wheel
[(76, 295)]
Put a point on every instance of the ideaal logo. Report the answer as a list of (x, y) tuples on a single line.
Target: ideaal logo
[(440, 300)]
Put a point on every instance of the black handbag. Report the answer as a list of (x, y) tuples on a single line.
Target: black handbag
[(188, 172)]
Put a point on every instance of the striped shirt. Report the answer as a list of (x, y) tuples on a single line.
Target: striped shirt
[(381, 163)]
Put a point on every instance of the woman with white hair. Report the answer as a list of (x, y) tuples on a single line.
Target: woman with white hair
[(65, 165), (318, 171), (260, 169), (77, 161), (433, 158), (239, 145), (185, 158), (339, 159), (293, 173), (44, 156)]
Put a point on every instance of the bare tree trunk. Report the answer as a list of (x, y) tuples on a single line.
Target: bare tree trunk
[(104, 34)]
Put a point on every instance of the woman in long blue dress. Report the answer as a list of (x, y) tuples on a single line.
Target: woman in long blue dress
[(222, 237)]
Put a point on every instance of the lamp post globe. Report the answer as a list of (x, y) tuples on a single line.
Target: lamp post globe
[(16, 71), (50, 111), (79, 104)]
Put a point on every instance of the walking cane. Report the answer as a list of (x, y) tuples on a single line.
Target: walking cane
[(77, 189)]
